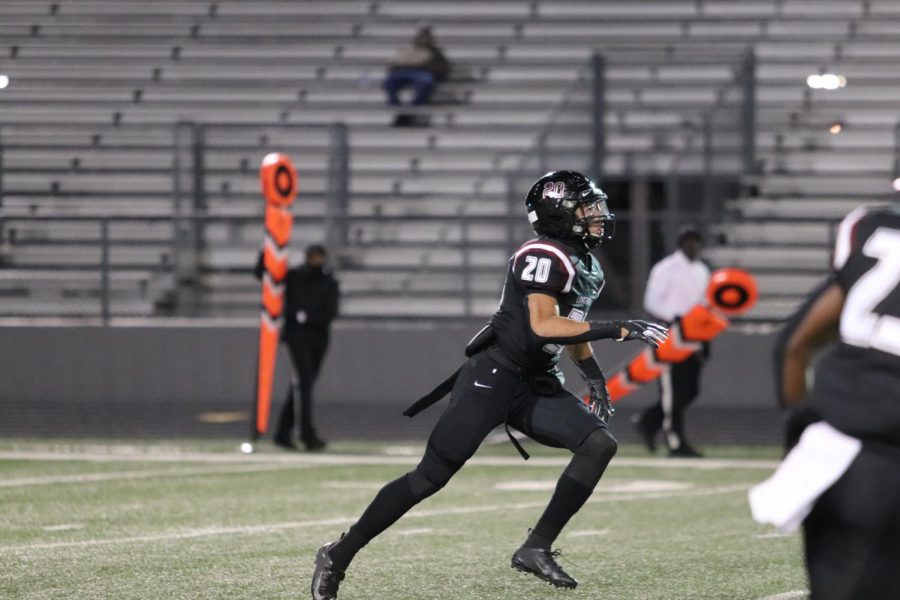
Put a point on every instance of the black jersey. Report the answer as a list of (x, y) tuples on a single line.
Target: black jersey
[(857, 388), (547, 266)]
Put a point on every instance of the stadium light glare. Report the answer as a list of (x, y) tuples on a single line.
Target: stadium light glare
[(826, 81), (4, 81), (896, 185)]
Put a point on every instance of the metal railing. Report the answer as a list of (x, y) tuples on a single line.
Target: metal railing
[(197, 151), (195, 177), (896, 164), (728, 115), (107, 238), (723, 167), (590, 73), (192, 196), (103, 240), (724, 164)]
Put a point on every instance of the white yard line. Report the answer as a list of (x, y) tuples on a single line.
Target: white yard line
[(611, 486), (414, 514), (371, 486), (415, 531), (115, 455), (587, 533), (795, 595), (700, 464), (148, 474), (179, 535), (64, 527), (128, 454), (773, 535)]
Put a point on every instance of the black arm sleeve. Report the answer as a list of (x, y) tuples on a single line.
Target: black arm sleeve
[(323, 311), (334, 301), (590, 369), (600, 330)]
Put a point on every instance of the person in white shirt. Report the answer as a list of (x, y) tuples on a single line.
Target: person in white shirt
[(676, 284)]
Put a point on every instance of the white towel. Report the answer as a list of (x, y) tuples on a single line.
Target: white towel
[(818, 460)]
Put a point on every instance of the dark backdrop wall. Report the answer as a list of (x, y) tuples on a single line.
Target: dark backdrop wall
[(174, 380)]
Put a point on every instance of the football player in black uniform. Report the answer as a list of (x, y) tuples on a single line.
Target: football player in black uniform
[(512, 378), (852, 534)]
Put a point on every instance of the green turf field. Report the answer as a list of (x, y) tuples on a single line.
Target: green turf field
[(199, 520)]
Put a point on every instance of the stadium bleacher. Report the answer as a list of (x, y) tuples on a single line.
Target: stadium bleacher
[(87, 130)]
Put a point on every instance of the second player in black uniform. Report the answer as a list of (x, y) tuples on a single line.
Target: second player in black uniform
[(512, 378), (852, 534)]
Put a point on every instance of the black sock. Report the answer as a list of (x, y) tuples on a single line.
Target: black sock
[(391, 503), (343, 552), (536, 541), (568, 498)]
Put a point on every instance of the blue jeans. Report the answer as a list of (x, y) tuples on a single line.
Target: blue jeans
[(423, 82)]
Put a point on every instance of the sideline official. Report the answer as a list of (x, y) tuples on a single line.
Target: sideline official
[(311, 304), (677, 283)]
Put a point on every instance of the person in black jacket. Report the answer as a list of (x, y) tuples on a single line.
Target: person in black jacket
[(311, 304)]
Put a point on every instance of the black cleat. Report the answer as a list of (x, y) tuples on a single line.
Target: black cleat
[(685, 451), (285, 443), (541, 563), (314, 444), (326, 579)]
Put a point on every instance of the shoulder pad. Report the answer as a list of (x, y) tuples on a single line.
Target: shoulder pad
[(542, 265), (855, 227)]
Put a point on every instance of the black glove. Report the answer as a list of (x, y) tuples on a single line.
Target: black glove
[(649, 332), (598, 396), (600, 404)]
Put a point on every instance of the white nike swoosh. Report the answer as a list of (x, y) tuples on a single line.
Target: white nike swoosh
[(482, 385)]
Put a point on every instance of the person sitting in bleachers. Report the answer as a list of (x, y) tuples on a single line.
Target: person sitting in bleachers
[(420, 66)]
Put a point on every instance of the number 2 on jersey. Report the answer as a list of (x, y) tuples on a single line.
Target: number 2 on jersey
[(860, 325), (536, 269)]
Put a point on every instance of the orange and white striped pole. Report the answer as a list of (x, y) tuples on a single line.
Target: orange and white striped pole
[(278, 179), (730, 292)]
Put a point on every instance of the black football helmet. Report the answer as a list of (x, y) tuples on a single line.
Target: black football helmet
[(553, 201)]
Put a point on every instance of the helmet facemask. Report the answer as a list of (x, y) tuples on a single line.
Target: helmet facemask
[(593, 212)]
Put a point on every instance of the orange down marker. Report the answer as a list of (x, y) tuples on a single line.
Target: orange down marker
[(278, 180), (730, 292)]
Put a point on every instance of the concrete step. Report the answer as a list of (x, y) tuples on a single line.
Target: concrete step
[(779, 233), (813, 260), (802, 207), (810, 184)]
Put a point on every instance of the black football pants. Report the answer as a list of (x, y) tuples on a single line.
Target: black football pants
[(307, 350), (852, 535), (483, 397), (678, 388)]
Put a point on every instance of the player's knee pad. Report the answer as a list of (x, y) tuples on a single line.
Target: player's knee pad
[(591, 457), (599, 445), (420, 486), (432, 473)]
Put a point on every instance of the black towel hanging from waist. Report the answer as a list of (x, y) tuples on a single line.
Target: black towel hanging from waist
[(446, 386), (433, 396)]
